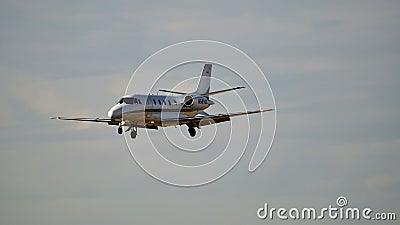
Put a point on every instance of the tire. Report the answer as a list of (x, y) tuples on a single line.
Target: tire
[(192, 131), (133, 134)]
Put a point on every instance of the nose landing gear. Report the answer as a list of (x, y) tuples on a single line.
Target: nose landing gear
[(133, 132), (132, 128)]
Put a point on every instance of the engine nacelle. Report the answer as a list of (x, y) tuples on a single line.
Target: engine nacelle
[(188, 101), (197, 102)]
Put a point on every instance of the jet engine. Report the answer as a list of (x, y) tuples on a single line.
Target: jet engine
[(188, 101)]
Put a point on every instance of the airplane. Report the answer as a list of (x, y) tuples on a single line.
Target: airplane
[(153, 111)]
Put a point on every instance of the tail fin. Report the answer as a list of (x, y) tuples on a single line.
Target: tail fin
[(203, 88)]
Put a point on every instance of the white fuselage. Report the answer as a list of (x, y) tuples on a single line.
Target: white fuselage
[(148, 110)]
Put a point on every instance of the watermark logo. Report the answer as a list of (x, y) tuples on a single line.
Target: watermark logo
[(341, 201), (170, 155), (339, 211)]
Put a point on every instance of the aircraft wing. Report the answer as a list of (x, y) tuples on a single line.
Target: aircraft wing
[(205, 119), (101, 120)]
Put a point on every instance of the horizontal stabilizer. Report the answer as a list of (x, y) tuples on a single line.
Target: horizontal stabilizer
[(173, 92), (225, 90)]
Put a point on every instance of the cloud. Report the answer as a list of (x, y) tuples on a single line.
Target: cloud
[(378, 183)]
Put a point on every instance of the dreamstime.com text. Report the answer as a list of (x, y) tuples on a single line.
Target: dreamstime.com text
[(338, 211)]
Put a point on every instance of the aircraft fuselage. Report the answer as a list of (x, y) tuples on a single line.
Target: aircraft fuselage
[(148, 110)]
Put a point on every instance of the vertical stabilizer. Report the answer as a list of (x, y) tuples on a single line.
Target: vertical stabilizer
[(204, 84)]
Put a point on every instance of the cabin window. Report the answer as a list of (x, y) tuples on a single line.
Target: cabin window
[(169, 102), (154, 101), (159, 101), (139, 101), (175, 101)]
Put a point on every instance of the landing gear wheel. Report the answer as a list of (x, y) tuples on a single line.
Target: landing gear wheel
[(134, 132), (119, 130), (192, 131)]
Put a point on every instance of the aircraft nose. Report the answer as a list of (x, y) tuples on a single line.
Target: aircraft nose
[(115, 113)]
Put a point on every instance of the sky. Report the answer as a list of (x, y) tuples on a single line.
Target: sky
[(332, 65)]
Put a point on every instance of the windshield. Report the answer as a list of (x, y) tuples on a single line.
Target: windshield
[(130, 101)]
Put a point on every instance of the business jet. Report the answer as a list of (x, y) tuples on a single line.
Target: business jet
[(176, 108)]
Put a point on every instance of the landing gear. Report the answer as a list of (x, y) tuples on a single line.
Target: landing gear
[(192, 131), (134, 132)]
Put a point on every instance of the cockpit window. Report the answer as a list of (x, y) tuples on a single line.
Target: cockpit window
[(129, 101)]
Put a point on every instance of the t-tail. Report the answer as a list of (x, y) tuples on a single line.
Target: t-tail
[(203, 88)]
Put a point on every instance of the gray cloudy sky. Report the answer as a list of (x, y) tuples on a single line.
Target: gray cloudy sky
[(333, 66)]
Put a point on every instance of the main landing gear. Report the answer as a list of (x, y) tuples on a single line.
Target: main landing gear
[(192, 131), (133, 130)]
